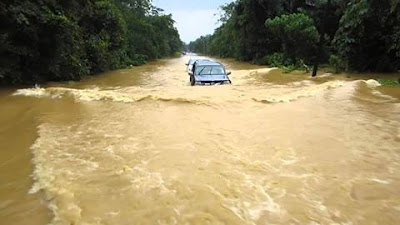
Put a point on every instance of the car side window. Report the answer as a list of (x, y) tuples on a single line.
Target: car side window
[(197, 69)]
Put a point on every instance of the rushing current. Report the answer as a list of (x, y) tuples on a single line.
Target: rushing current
[(141, 146)]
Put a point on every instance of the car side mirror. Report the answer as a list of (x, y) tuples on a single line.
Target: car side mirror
[(229, 73)]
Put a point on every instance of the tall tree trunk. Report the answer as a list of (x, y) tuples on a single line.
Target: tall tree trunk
[(318, 57), (315, 69), (321, 41)]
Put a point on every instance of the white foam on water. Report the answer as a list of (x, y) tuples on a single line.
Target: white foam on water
[(372, 83), (82, 95), (195, 95), (255, 200), (325, 75), (289, 161), (95, 94), (368, 91), (380, 181), (32, 92), (298, 176), (307, 91), (304, 83), (381, 95), (268, 205)]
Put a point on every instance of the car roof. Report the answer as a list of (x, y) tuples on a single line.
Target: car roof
[(207, 63), (195, 60), (200, 59)]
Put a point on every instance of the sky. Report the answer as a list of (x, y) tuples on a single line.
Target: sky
[(193, 18)]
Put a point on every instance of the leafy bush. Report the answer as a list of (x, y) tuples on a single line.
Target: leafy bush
[(389, 82), (295, 51), (300, 65), (275, 60), (279, 60), (337, 62), (138, 60), (288, 69), (297, 35)]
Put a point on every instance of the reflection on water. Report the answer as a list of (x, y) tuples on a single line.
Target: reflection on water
[(142, 146)]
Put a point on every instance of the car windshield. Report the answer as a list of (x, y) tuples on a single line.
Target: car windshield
[(210, 70)]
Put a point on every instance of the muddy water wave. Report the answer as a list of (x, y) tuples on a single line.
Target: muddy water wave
[(131, 95), (273, 148)]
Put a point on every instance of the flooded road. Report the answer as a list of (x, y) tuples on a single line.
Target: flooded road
[(142, 146)]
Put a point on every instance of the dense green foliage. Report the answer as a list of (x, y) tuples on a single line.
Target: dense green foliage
[(369, 35), (389, 82), (361, 35), (42, 40), (298, 35)]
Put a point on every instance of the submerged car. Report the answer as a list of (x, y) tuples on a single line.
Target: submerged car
[(208, 73)]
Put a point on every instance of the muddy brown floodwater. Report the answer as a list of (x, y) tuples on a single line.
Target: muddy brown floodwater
[(142, 146)]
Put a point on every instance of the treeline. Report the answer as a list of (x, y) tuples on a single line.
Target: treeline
[(56, 40), (357, 35)]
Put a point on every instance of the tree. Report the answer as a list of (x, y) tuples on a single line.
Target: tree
[(65, 40), (364, 34), (298, 35), (368, 37)]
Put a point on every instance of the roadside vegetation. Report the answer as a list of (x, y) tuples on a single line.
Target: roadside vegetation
[(386, 82), (66, 40), (350, 35)]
